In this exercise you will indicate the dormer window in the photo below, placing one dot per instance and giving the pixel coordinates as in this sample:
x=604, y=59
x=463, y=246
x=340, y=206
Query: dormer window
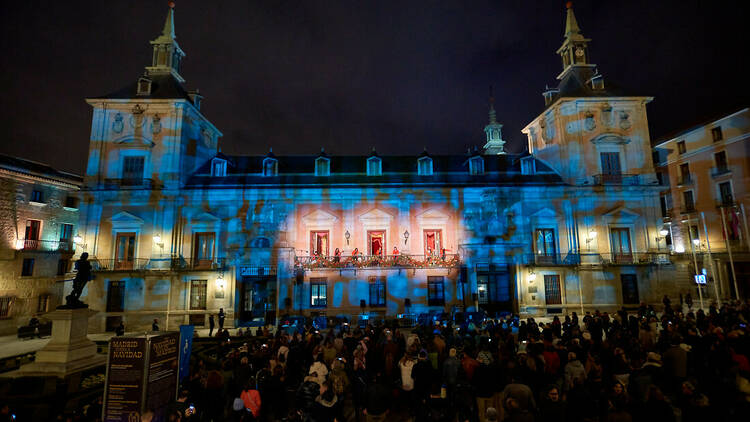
x=322, y=166
x=597, y=82
x=218, y=167
x=424, y=166
x=270, y=167
x=374, y=166
x=528, y=165
x=37, y=196
x=476, y=165
x=144, y=86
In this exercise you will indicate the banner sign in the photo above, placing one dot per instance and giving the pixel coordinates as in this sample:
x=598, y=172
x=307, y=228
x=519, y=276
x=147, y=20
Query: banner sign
x=123, y=391
x=161, y=386
x=700, y=279
x=186, y=344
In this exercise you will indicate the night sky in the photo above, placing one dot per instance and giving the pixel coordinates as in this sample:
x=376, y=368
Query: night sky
x=348, y=75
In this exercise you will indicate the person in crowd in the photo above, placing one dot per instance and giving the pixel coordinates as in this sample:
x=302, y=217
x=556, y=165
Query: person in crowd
x=155, y=325
x=221, y=316
x=211, y=325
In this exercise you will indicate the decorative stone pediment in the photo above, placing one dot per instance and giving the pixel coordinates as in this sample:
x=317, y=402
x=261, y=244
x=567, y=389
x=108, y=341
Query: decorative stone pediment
x=545, y=212
x=609, y=139
x=137, y=141
x=375, y=216
x=432, y=218
x=621, y=214
x=205, y=218
x=126, y=220
x=319, y=218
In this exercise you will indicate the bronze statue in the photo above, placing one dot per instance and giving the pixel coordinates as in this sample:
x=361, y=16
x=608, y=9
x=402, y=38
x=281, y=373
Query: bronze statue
x=79, y=282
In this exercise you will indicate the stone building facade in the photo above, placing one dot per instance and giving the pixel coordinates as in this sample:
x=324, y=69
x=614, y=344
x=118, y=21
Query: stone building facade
x=704, y=202
x=178, y=230
x=39, y=221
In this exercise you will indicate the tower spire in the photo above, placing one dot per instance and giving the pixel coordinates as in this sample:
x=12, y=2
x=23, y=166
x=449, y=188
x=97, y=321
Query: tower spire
x=167, y=55
x=493, y=131
x=574, y=50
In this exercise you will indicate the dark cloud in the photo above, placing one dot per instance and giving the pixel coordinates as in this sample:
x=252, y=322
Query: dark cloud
x=348, y=75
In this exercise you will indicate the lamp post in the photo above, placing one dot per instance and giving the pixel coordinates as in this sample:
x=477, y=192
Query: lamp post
x=406, y=236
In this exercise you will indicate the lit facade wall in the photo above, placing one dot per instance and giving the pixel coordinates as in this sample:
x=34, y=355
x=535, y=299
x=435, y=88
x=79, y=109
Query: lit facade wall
x=706, y=172
x=39, y=218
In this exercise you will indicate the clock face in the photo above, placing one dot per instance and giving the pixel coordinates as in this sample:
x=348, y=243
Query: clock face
x=579, y=52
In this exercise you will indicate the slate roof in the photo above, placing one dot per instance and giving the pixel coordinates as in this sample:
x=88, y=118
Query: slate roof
x=162, y=87
x=33, y=168
x=299, y=171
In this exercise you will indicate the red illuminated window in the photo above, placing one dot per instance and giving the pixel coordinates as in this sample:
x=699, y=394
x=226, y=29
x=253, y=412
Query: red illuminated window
x=376, y=242
x=319, y=243
x=433, y=242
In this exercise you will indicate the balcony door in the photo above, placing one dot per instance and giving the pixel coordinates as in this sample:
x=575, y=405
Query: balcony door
x=125, y=252
x=433, y=241
x=621, y=247
x=611, y=170
x=544, y=243
x=376, y=242
x=33, y=230
x=319, y=242
x=204, y=249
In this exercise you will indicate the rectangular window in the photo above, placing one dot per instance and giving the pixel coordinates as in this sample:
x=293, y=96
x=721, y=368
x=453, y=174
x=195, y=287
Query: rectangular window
x=716, y=134
x=433, y=242
x=721, y=162
x=219, y=168
x=377, y=291
x=435, y=291
x=318, y=292
x=71, y=202
x=66, y=237
x=62, y=266
x=552, y=293
x=685, y=173
x=116, y=296
x=319, y=243
x=621, y=248
x=376, y=242
x=27, y=270
x=695, y=235
x=374, y=167
x=36, y=196
x=6, y=306
x=204, y=249
x=125, y=252
x=198, y=294
x=544, y=244
x=681, y=148
x=610, y=163
x=664, y=207
x=425, y=166
x=629, y=288
x=42, y=304
x=687, y=200
x=132, y=170
x=476, y=165
x=725, y=194
x=322, y=167
x=33, y=231
x=482, y=290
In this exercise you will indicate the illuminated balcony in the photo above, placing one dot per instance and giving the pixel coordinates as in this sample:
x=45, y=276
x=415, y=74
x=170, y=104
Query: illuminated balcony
x=45, y=245
x=157, y=264
x=617, y=179
x=635, y=258
x=377, y=261
x=552, y=259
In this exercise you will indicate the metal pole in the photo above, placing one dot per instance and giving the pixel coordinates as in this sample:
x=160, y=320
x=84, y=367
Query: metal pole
x=695, y=265
x=729, y=251
x=710, y=259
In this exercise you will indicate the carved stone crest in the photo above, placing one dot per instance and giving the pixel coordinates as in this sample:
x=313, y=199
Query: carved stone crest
x=156, y=124
x=589, y=123
x=136, y=120
x=624, y=120
x=118, y=125
x=607, y=116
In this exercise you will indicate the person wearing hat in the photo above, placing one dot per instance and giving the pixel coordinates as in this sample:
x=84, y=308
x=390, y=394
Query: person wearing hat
x=574, y=370
x=651, y=373
x=490, y=415
x=423, y=374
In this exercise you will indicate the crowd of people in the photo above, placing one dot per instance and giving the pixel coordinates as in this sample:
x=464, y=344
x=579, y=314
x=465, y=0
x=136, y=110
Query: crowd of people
x=674, y=366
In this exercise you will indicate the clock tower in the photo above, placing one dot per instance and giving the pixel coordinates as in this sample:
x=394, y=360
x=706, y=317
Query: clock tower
x=574, y=50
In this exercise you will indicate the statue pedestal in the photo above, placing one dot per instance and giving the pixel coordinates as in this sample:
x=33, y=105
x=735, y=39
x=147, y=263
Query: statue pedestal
x=69, y=350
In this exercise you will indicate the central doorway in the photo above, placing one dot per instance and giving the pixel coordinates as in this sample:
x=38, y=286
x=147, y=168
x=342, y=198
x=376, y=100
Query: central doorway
x=376, y=242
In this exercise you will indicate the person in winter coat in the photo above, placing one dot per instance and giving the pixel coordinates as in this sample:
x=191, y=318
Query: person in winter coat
x=552, y=406
x=306, y=395
x=450, y=369
x=378, y=400
x=319, y=367
x=573, y=370
x=423, y=375
x=251, y=399
x=406, y=368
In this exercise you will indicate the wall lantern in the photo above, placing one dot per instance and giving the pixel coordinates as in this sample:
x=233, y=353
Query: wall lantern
x=157, y=240
x=347, y=235
x=696, y=242
x=532, y=276
x=592, y=234
x=664, y=231
x=77, y=239
x=220, y=282
x=406, y=236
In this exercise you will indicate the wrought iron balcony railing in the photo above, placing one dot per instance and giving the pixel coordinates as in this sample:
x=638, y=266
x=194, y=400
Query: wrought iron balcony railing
x=725, y=202
x=377, y=261
x=46, y=245
x=636, y=258
x=617, y=179
x=552, y=259
x=685, y=180
x=157, y=264
x=129, y=183
x=720, y=171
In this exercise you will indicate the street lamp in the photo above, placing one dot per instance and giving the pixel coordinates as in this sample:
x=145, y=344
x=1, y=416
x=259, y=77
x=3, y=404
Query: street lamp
x=347, y=235
x=664, y=231
x=532, y=275
x=406, y=236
